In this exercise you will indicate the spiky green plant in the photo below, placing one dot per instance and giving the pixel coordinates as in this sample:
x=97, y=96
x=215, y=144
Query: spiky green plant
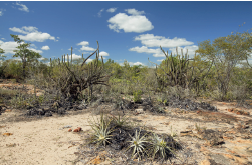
x=159, y=146
x=138, y=144
x=101, y=133
x=120, y=121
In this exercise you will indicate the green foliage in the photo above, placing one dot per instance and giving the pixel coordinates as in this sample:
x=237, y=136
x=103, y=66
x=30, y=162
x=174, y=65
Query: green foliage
x=137, y=96
x=13, y=69
x=226, y=53
x=2, y=56
x=24, y=53
x=159, y=146
x=101, y=133
x=138, y=145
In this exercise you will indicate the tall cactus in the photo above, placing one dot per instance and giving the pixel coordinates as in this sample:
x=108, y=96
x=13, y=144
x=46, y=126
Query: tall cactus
x=86, y=76
x=177, y=69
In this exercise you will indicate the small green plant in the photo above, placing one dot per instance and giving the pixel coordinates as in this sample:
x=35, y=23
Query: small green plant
x=137, y=96
x=101, y=133
x=173, y=134
x=159, y=146
x=120, y=121
x=19, y=102
x=199, y=129
x=138, y=144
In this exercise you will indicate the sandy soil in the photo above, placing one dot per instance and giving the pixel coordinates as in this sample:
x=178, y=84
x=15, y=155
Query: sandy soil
x=45, y=141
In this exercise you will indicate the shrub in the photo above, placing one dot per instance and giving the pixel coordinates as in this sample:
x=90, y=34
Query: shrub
x=137, y=96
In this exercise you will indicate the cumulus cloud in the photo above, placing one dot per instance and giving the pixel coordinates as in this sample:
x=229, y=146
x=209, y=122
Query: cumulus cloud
x=149, y=40
x=3, y=38
x=133, y=63
x=134, y=23
x=9, y=47
x=45, y=48
x=111, y=10
x=32, y=34
x=35, y=50
x=99, y=13
x=23, y=7
x=160, y=60
x=83, y=43
x=85, y=47
x=134, y=12
x=156, y=52
x=156, y=41
x=103, y=53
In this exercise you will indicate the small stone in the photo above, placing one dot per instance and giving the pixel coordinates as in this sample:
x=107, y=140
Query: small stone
x=69, y=130
x=245, y=126
x=76, y=130
x=139, y=111
x=48, y=114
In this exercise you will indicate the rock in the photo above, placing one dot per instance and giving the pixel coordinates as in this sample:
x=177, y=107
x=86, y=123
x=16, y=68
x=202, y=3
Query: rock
x=98, y=159
x=7, y=134
x=245, y=126
x=186, y=133
x=69, y=130
x=61, y=110
x=139, y=111
x=77, y=130
x=220, y=159
x=48, y=114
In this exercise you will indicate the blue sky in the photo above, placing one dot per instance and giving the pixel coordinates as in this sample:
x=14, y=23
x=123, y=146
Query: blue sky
x=125, y=30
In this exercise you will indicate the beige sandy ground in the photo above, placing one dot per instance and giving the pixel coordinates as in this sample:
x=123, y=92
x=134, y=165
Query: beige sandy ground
x=43, y=142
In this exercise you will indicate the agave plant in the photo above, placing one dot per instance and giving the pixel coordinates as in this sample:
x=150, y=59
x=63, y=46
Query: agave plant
x=159, y=145
x=101, y=132
x=121, y=121
x=138, y=144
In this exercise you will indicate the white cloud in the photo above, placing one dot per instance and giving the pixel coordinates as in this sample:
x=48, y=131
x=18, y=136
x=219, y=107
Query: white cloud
x=23, y=7
x=132, y=23
x=32, y=34
x=160, y=60
x=3, y=38
x=156, y=52
x=1, y=11
x=8, y=47
x=37, y=51
x=85, y=47
x=134, y=12
x=83, y=43
x=103, y=53
x=58, y=37
x=156, y=41
x=132, y=63
x=111, y=10
x=136, y=63
x=99, y=13
x=74, y=56
x=45, y=48
x=191, y=50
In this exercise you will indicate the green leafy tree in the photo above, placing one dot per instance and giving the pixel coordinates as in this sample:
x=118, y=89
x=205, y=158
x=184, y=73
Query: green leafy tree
x=226, y=53
x=2, y=56
x=24, y=53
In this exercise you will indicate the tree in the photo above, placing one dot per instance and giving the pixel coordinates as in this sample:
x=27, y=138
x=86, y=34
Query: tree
x=24, y=53
x=226, y=53
x=2, y=56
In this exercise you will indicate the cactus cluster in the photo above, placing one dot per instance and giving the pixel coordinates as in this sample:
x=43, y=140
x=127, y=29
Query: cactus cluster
x=80, y=77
